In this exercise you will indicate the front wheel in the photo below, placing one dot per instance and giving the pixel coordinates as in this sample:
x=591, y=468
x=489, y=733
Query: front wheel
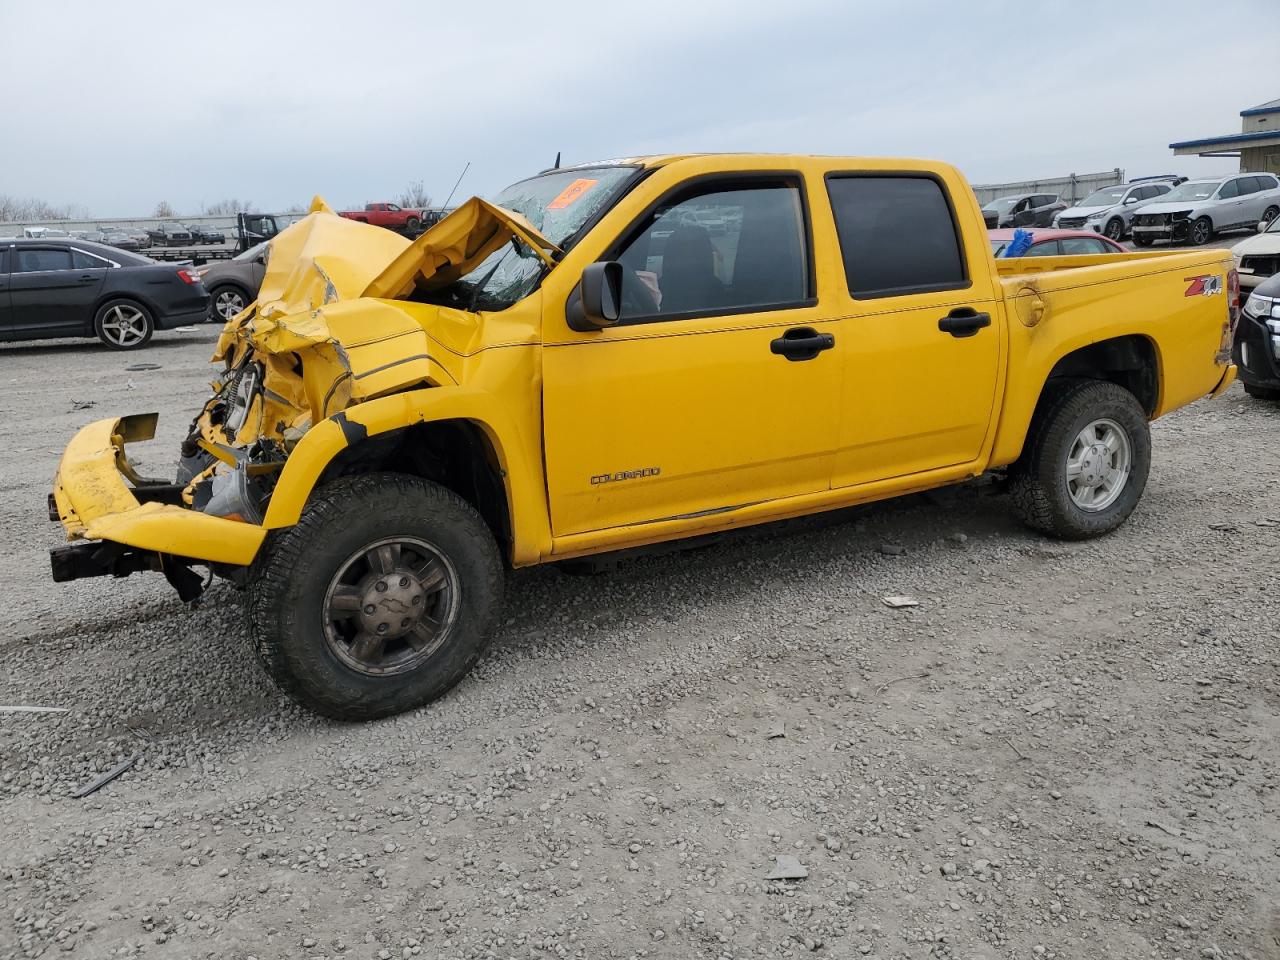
x=378, y=600
x=1114, y=229
x=1142, y=240
x=1085, y=462
x=1201, y=232
x=123, y=324
x=412, y=224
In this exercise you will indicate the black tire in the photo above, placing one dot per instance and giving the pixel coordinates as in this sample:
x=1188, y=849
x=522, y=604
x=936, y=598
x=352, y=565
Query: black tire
x=109, y=324
x=1270, y=213
x=412, y=224
x=1039, y=482
x=1142, y=240
x=299, y=566
x=1114, y=230
x=1261, y=393
x=219, y=293
x=1201, y=232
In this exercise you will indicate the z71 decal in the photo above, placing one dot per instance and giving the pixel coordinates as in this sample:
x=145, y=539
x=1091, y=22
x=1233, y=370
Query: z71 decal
x=1209, y=286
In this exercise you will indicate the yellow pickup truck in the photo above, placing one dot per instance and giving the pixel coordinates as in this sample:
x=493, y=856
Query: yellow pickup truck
x=619, y=354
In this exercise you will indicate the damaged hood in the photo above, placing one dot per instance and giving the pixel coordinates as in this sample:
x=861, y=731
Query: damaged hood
x=322, y=333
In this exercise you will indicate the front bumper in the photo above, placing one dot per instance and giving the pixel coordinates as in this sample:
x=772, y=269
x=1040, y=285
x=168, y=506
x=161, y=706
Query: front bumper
x=94, y=502
x=1254, y=352
x=1177, y=230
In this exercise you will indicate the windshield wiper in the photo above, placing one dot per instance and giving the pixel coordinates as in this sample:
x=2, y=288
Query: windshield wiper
x=484, y=282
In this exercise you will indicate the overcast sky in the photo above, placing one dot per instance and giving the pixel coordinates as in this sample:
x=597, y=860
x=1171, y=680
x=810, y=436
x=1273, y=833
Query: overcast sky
x=115, y=106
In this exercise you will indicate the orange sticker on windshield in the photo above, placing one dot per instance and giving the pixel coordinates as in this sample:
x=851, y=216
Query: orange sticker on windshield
x=571, y=193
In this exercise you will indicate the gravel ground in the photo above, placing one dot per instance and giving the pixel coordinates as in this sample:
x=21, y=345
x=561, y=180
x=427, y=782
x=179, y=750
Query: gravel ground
x=1067, y=750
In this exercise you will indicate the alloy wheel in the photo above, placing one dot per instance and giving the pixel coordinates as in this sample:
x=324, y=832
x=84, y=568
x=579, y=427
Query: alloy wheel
x=1098, y=465
x=391, y=606
x=125, y=325
x=228, y=303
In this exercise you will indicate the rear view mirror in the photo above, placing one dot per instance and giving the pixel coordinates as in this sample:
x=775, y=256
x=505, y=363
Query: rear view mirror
x=1130, y=199
x=597, y=302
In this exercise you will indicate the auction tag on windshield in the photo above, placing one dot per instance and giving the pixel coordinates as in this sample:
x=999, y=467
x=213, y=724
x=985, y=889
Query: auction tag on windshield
x=571, y=193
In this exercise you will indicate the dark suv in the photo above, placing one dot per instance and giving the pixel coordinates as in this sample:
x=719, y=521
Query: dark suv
x=1257, y=346
x=1022, y=210
x=169, y=235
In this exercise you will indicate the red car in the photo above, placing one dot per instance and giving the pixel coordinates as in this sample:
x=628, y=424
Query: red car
x=1048, y=242
x=386, y=215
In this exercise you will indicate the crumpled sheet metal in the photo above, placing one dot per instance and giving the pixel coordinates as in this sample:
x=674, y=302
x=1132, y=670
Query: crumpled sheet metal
x=454, y=247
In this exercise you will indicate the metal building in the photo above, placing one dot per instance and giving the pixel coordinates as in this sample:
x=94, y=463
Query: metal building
x=1257, y=144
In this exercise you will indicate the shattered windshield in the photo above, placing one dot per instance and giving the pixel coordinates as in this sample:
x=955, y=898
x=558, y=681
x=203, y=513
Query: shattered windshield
x=558, y=204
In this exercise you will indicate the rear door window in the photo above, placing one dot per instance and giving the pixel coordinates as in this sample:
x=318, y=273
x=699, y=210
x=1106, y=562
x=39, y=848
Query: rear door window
x=897, y=235
x=36, y=259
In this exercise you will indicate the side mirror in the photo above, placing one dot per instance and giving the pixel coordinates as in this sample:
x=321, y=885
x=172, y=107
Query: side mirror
x=1262, y=225
x=596, y=303
x=1130, y=200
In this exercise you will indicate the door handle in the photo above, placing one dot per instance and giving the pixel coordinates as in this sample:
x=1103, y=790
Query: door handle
x=801, y=343
x=964, y=322
x=86, y=277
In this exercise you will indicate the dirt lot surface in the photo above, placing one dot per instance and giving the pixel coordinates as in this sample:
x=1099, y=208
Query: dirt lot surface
x=1066, y=750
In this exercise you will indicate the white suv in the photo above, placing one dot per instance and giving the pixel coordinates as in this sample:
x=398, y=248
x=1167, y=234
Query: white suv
x=1196, y=210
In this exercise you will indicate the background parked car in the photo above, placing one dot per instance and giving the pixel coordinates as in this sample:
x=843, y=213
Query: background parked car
x=1053, y=242
x=115, y=237
x=170, y=235
x=1198, y=209
x=203, y=234
x=1257, y=343
x=74, y=288
x=1023, y=210
x=1110, y=210
x=1258, y=257
x=233, y=284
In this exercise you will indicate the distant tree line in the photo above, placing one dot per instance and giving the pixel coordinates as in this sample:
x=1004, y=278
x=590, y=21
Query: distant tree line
x=19, y=209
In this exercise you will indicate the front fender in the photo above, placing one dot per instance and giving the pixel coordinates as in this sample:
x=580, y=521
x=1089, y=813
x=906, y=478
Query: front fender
x=521, y=473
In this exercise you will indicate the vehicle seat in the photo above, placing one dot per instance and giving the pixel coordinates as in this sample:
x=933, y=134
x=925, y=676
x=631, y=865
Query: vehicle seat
x=769, y=264
x=689, y=280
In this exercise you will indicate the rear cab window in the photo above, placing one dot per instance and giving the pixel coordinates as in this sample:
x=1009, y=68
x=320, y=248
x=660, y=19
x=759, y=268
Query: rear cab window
x=898, y=234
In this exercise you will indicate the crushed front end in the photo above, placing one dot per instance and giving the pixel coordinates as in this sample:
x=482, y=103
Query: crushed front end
x=326, y=333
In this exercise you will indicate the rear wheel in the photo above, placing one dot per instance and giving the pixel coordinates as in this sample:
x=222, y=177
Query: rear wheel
x=1085, y=462
x=1270, y=214
x=123, y=324
x=1261, y=393
x=378, y=600
x=1114, y=229
x=1201, y=232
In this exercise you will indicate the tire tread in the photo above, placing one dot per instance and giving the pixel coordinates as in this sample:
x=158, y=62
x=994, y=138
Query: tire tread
x=272, y=588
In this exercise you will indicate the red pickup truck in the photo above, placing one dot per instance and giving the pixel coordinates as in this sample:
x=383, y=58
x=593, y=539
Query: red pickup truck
x=389, y=215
